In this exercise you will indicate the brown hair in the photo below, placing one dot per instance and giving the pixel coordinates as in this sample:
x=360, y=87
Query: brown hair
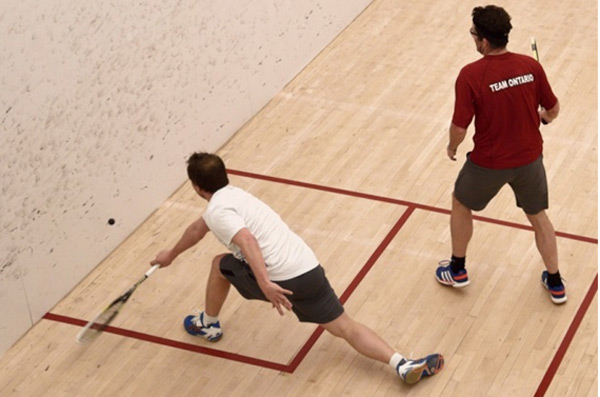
x=492, y=23
x=207, y=171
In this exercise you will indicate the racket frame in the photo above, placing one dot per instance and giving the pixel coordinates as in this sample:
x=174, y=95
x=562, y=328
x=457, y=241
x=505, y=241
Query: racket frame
x=536, y=56
x=94, y=327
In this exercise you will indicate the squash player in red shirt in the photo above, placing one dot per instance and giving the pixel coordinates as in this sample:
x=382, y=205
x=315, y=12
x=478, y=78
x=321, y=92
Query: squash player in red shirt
x=508, y=95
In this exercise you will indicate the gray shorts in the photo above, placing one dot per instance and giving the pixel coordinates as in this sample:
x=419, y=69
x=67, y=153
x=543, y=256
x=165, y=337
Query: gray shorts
x=475, y=186
x=313, y=301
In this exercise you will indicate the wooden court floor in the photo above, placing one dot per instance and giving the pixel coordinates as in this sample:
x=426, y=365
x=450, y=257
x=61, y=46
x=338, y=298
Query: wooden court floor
x=351, y=154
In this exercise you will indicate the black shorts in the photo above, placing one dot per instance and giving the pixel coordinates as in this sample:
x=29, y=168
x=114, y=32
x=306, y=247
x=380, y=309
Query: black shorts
x=313, y=301
x=475, y=186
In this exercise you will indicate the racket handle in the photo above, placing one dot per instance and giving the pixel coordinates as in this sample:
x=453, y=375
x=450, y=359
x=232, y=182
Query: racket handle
x=537, y=58
x=534, y=50
x=152, y=270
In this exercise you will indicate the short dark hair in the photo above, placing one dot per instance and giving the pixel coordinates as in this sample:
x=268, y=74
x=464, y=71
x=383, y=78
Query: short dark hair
x=207, y=171
x=492, y=23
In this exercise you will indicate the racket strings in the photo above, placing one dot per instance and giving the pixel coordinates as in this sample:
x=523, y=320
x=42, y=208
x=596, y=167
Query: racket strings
x=100, y=323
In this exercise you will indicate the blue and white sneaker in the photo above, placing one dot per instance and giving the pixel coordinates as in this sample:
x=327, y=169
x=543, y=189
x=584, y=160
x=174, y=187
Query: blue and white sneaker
x=446, y=276
x=411, y=371
x=194, y=325
x=557, y=294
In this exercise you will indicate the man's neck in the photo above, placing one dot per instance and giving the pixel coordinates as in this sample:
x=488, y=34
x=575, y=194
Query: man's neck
x=496, y=51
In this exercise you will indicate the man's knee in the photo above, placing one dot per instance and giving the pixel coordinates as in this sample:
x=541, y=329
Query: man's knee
x=340, y=327
x=216, y=265
x=537, y=217
x=540, y=221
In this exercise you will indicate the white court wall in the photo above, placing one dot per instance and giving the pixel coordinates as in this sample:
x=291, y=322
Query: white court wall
x=101, y=102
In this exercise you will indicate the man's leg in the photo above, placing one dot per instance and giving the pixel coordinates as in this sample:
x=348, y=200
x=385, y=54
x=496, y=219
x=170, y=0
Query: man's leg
x=206, y=324
x=461, y=228
x=545, y=239
x=453, y=273
x=217, y=288
x=360, y=337
x=369, y=344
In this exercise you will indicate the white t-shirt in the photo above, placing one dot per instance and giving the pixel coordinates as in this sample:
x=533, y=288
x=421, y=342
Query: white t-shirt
x=286, y=255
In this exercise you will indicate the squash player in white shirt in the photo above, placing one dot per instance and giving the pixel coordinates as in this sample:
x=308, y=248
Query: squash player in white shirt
x=270, y=262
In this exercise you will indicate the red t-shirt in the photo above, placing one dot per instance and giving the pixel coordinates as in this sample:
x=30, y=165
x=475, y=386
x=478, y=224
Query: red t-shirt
x=503, y=92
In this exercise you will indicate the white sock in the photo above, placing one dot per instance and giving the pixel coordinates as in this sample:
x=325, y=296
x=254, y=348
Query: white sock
x=395, y=360
x=209, y=319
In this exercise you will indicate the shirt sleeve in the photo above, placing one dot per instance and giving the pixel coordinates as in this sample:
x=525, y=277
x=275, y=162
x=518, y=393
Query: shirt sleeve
x=224, y=223
x=464, y=103
x=547, y=98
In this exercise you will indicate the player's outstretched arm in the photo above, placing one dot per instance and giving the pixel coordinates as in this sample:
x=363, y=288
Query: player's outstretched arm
x=191, y=236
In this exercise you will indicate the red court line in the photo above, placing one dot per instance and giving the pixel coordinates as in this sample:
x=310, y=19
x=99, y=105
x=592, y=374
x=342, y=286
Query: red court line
x=551, y=371
x=354, y=284
x=528, y=227
x=297, y=359
x=399, y=202
x=326, y=188
x=303, y=352
x=375, y=256
x=564, y=346
x=174, y=343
